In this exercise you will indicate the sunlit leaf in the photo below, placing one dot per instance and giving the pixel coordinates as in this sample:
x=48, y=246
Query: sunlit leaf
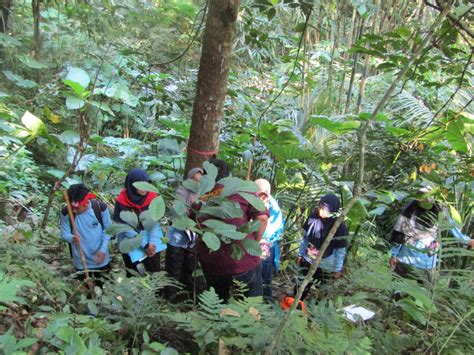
x=157, y=208
x=79, y=76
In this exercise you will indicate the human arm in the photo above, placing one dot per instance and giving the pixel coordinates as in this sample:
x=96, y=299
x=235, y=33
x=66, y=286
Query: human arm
x=105, y=237
x=339, y=257
x=154, y=239
x=459, y=235
x=394, y=251
x=66, y=233
x=263, y=219
x=104, y=247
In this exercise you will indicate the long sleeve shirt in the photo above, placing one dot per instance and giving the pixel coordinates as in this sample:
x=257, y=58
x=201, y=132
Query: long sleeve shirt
x=93, y=237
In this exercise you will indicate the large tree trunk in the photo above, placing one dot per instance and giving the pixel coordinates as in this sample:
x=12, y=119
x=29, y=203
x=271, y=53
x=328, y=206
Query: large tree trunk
x=35, y=4
x=211, y=85
x=5, y=6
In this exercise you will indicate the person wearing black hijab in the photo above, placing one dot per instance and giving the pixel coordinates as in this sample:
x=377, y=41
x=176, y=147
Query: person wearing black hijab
x=138, y=201
x=316, y=230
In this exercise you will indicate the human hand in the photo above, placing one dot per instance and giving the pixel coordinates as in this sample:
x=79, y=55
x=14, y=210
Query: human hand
x=151, y=249
x=470, y=243
x=77, y=238
x=393, y=262
x=298, y=260
x=336, y=275
x=99, y=257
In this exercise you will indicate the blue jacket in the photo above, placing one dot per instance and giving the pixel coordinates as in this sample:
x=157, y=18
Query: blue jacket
x=93, y=237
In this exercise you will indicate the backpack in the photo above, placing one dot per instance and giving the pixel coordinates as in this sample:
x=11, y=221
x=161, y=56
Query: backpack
x=97, y=206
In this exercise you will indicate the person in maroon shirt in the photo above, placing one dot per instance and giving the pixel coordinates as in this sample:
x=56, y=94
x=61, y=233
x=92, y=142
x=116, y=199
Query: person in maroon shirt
x=220, y=269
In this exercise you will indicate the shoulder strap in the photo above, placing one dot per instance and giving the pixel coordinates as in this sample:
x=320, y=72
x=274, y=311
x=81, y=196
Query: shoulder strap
x=98, y=206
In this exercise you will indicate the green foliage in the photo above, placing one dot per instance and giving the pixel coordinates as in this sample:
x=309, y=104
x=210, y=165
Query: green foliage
x=10, y=288
x=104, y=61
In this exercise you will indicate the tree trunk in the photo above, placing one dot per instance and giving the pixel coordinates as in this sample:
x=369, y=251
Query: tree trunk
x=5, y=6
x=211, y=88
x=345, y=58
x=365, y=72
x=354, y=68
x=36, y=19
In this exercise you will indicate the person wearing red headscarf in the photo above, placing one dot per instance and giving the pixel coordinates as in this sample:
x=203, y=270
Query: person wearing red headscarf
x=147, y=255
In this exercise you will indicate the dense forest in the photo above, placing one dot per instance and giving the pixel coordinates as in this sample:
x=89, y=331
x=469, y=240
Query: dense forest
x=369, y=100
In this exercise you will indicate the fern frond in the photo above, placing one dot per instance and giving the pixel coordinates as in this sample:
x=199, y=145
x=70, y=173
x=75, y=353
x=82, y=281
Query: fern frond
x=10, y=287
x=413, y=110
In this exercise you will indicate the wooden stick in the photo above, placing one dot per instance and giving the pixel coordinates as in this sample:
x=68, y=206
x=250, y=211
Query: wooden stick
x=74, y=231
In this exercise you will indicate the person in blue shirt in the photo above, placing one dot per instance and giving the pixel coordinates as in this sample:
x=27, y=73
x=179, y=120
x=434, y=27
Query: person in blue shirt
x=316, y=230
x=92, y=218
x=147, y=255
x=415, y=239
x=272, y=234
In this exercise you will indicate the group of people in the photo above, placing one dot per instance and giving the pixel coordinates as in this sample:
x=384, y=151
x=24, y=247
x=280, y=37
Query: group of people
x=414, y=237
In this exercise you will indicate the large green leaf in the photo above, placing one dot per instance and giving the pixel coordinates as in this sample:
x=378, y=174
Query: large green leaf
x=226, y=209
x=456, y=138
x=250, y=227
x=74, y=103
x=335, y=127
x=210, y=170
x=128, y=245
x=191, y=185
x=206, y=184
x=76, y=87
x=236, y=252
x=252, y=247
x=130, y=218
x=30, y=62
x=157, y=208
x=79, y=76
x=233, y=185
x=145, y=186
x=225, y=229
x=119, y=91
x=34, y=124
x=212, y=241
x=179, y=206
x=255, y=201
x=69, y=137
x=19, y=80
x=147, y=222
x=184, y=223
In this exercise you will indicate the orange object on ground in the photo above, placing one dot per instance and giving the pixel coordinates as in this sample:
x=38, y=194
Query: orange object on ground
x=287, y=301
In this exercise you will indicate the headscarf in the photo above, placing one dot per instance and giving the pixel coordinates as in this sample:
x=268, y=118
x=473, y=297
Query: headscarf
x=129, y=198
x=317, y=228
